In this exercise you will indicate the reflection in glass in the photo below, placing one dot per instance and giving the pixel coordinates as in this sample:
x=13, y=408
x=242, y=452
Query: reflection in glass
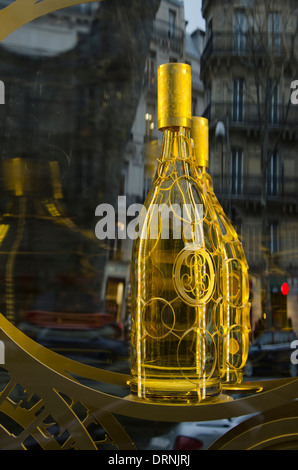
x=71, y=95
x=46, y=260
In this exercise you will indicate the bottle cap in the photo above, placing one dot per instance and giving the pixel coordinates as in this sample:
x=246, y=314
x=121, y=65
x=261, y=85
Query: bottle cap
x=200, y=136
x=174, y=95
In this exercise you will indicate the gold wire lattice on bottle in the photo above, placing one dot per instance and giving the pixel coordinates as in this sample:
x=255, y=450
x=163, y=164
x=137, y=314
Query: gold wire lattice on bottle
x=174, y=352
x=175, y=327
x=233, y=301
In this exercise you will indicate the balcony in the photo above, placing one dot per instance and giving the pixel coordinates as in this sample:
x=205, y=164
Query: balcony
x=282, y=190
x=250, y=44
x=253, y=116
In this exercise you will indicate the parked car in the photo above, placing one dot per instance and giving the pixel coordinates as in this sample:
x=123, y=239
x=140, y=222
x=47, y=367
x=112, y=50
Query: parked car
x=271, y=353
x=193, y=436
x=94, y=347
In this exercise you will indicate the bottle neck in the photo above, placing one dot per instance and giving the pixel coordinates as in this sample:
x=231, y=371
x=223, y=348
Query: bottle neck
x=202, y=169
x=176, y=143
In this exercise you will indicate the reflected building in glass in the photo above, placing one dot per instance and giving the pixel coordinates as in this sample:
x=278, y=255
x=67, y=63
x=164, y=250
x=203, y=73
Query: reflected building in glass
x=41, y=232
x=71, y=92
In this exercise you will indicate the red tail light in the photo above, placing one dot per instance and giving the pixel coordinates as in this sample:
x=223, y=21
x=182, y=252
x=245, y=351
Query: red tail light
x=187, y=443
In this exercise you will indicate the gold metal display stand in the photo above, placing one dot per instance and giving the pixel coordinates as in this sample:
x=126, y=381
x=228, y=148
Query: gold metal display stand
x=45, y=392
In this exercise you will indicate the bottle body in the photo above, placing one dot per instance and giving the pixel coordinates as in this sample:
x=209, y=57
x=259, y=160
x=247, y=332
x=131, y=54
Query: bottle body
x=233, y=305
x=234, y=343
x=174, y=329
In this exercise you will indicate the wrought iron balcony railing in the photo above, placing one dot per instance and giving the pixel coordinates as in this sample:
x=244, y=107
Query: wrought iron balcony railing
x=254, y=115
x=249, y=188
x=249, y=44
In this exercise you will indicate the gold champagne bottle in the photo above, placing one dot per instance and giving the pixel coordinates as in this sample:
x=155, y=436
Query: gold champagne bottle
x=234, y=284
x=174, y=350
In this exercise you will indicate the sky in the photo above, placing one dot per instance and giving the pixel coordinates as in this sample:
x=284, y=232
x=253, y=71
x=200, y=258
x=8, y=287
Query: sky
x=193, y=15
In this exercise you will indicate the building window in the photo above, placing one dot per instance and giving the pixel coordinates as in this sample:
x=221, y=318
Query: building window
x=150, y=72
x=123, y=177
x=273, y=174
x=209, y=32
x=237, y=171
x=149, y=127
x=239, y=31
x=252, y=243
x=273, y=237
x=290, y=234
x=207, y=112
x=238, y=99
x=209, y=95
x=273, y=89
x=274, y=31
x=194, y=106
x=172, y=23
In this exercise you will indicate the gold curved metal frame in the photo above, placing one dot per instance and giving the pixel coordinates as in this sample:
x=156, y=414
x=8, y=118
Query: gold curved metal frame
x=21, y=12
x=275, y=429
x=71, y=394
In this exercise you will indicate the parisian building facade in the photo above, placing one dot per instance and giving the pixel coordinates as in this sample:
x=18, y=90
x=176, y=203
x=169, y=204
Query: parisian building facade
x=248, y=64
